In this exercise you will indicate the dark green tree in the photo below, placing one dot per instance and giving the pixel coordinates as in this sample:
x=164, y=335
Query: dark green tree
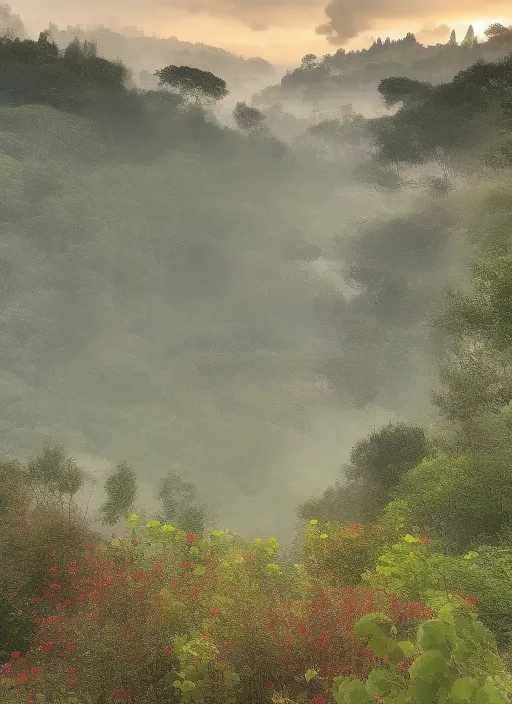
x=192, y=83
x=385, y=455
x=246, y=117
x=121, y=490
x=406, y=90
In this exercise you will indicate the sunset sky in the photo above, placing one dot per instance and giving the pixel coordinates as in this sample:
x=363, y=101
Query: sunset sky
x=279, y=30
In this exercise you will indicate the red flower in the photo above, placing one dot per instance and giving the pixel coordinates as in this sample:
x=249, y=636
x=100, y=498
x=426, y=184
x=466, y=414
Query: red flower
x=15, y=655
x=270, y=685
x=48, y=646
x=318, y=700
x=33, y=671
x=53, y=569
x=191, y=537
x=424, y=540
x=214, y=611
x=471, y=601
x=38, y=599
x=206, y=635
x=168, y=649
x=22, y=676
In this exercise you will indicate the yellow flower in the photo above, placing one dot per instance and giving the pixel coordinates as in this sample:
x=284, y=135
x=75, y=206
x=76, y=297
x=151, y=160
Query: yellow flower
x=324, y=536
x=313, y=522
x=239, y=559
x=153, y=524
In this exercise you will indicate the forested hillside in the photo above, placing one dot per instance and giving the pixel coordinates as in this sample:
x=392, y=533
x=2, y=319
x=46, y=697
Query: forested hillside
x=231, y=323
x=354, y=75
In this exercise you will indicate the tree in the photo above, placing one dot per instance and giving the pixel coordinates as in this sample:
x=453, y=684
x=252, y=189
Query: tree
x=179, y=503
x=309, y=61
x=54, y=476
x=193, y=83
x=246, y=117
x=406, y=90
x=469, y=39
x=465, y=500
x=11, y=24
x=385, y=455
x=121, y=490
x=496, y=30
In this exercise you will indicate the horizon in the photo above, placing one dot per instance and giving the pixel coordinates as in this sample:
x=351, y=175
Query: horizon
x=283, y=46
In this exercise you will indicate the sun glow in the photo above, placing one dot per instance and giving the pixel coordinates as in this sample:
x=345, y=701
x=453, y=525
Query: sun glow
x=481, y=24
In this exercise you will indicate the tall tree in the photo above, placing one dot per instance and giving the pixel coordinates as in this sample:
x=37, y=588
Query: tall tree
x=121, y=490
x=179, y=503
x=469, y=39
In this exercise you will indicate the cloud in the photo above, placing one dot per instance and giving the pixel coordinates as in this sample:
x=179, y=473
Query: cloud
x=348, y=18
x=345, y=19
x=434, y=35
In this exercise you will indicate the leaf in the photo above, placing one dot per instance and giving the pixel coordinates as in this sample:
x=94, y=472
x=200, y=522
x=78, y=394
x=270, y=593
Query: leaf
x=369, y=625
x=411, y=539
x=407, y=647
x=199, y=571
x=381, y=683
x=310, y=675
x=463, y=690
x=382, y=646
x=489, y=694
x=187, y=686
x=432, y=634
x=352, y=692
x=429, y=664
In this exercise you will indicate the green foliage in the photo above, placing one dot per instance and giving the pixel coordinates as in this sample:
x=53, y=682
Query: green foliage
x=403, y=90
x=464, y=500
x=455, y=661
x=55, y=473
x=179, y=503
x=193, y=83
x=247, y=117
x=419, y=570
x=121, y=490
x=386, y=455
x=342, y=552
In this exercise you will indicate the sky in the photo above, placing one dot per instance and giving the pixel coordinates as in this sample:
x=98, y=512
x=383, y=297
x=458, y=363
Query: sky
x=281, y=31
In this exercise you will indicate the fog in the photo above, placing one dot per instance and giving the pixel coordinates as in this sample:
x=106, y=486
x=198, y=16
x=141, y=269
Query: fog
x=240, y=305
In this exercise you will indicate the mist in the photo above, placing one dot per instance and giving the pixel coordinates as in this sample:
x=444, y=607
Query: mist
x=239, y=304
